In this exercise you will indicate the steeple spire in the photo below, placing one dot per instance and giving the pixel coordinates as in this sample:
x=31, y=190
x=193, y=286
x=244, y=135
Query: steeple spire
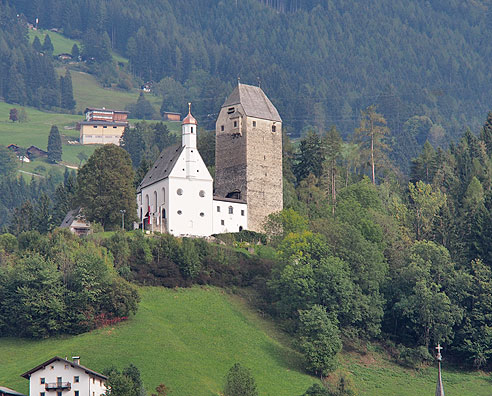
x=439, y=387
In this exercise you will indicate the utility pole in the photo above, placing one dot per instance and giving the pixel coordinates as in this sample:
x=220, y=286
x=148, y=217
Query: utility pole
x=122, y=211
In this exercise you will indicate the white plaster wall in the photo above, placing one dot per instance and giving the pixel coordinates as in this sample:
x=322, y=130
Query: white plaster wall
x=162, y=189
x=87, y=386
x=196, y=211
x=232, y=222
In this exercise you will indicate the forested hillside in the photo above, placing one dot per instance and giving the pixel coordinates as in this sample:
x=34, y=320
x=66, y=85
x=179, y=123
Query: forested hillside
x=321, y=62
x=27, y=75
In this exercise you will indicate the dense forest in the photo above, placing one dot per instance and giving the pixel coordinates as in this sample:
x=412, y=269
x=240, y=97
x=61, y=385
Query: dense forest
x=321, y=62
x=27, y=74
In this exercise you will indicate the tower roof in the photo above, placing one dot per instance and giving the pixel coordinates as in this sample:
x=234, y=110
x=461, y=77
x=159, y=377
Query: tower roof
x=254, y=101
x=189, y=119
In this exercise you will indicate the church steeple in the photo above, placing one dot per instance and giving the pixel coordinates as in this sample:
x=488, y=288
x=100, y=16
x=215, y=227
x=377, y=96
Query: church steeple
x=439, y=387
x=188, y=130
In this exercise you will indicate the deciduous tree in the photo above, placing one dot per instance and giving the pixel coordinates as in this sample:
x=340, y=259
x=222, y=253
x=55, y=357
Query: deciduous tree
x=240, y=382
x=105, y=186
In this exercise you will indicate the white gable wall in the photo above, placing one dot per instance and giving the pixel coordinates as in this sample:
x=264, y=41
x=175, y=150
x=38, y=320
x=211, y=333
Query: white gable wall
x=88, y=385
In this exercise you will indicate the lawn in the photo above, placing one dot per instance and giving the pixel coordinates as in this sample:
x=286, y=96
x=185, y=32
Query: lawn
x=89, y=93
x=37, y=128
x=189, y=338
x=63, y=45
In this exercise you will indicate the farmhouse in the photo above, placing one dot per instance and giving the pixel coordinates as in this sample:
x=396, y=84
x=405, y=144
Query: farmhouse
x=177, y=194
x=61, y=377
x=76, y=222
x=102, y=126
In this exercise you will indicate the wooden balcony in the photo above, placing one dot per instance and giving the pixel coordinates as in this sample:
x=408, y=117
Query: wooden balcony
x=58, y=386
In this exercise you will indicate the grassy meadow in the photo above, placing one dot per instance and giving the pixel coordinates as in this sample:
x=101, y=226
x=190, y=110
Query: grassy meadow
x=89, y=93
x=189, y=338
x=63, y=45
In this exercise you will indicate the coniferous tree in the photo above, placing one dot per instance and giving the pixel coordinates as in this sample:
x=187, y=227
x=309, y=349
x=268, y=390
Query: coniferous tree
x=67, y=100
x=54, y=145
x=75, y=52
x=36, y=44
x=48, y=46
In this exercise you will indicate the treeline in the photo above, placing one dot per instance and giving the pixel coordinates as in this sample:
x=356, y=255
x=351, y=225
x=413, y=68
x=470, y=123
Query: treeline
x=409, y=263
x=320, y=62
x=59, y=284
x=27, y=76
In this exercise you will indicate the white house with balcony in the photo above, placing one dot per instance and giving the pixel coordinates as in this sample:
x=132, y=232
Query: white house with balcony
x=62, y=377
x=176, y=194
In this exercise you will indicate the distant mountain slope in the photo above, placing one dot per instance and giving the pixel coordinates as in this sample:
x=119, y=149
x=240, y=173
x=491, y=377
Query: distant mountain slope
x=321, y=62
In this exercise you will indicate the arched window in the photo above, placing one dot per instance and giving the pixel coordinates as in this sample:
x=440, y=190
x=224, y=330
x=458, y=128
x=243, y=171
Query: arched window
x=155, y=201
x=147, y=202
x=163, y=195
x=163, y=213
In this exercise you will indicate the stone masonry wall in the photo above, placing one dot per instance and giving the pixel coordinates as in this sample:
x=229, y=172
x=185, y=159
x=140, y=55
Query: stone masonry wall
x=264, y=171
x=249, y=159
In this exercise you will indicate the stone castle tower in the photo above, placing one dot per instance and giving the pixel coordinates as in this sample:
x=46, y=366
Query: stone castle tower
x=248, y=153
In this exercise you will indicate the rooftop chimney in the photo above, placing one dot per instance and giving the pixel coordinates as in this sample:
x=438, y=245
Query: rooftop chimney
x=76, y=359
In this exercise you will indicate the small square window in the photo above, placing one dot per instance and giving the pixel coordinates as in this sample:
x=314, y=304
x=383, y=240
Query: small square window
x=114, y=127
x=242, y=212
x=41, y=393
x=222, y=222
x=231, y=210
x=104, y=126
x=218, y=208
x=235, y=124
x=42, y=380
x=254, y=124
x=59, y=393
x=274, y=128
x=66, y=367
x=95, y=126
x=222, y=128
x=76, y=379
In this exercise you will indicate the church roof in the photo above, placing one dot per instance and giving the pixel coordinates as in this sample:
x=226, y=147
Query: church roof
x=163, y=166
x=254, y=101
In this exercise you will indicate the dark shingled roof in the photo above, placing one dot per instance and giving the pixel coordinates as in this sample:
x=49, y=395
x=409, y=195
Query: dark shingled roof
x=27, y=374
x=254, y=101
x=7, y=391
x=163, y=166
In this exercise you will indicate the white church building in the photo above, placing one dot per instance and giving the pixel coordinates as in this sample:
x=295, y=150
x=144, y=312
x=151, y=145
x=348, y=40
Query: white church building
x=176, y=195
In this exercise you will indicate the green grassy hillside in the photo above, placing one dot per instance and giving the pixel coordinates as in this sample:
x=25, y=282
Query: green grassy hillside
x=89, y=93
x=189, y=338
x=62, y=44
